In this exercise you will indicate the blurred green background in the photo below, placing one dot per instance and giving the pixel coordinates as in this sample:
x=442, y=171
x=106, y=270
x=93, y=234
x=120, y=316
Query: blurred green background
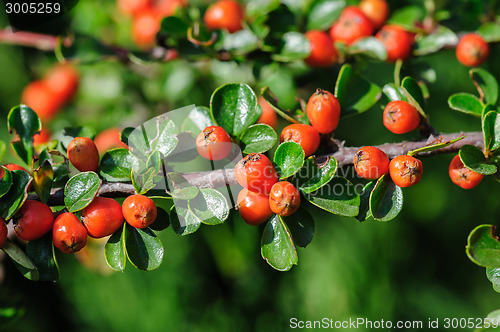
x=412, y=268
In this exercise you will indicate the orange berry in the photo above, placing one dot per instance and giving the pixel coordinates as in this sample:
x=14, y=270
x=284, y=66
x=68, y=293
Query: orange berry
x=214, y=143
x=268, y=116
x=371, y=163
x=225, y=15
x=397, y=42
x=33, y=220
x=472, y=50
x=323, y=52
x=145, y=26
x=462, y=176
x=284, y=198
x=102, y=217
x=405, y=171
x=256, y=173
x=62, y=80
x=253, y=207
x=109, y=139
x=400, y=117
x=83, y=154
x=139, y=211
x=351, y=26
x=323, y=111
x=38, y=96
x=305, y=135
x=377, y=11
x=68, y=234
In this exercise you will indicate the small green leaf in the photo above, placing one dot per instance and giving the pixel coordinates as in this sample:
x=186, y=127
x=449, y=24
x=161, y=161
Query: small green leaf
x=364, y=204
x=301, y=227
x=240, y=42
x=486, y=84
x=493, y=275
x=143, y=182
x=258, y=138
x=59, y=165
x=156, y=135
x=5, y=182
x=41, y=252
x=26, y=123
x=144, y=248
x=407, y=16
x=117, y=164
x=289, y=158
x=197, y=119
x=466, y=103
x=234, y=107
x=338, y=197
x=271, y=100
x=81, y=190
x=393, y=92
x=180, y=188
x=311, y=177
x=277, y=246
x=386, y=199
x=323, y=13
x=125, y=133
x=174, y=27
x=22, y=262
x=370, y=47
x=210, y=206
x=17, y=194
x=441, y=37
x=295, y=46
x=483, y=248
x=491, y=130
x=411, y=86
x=70, y=133
x=3, y=148
x=490, y=31
x=355, y=93
x=473, y=158
x=183, y=220
x=436, y=146
x=114, y=251
x=43, y=179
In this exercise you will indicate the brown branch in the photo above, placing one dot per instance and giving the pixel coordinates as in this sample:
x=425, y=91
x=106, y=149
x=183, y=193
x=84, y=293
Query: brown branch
x=30, y=39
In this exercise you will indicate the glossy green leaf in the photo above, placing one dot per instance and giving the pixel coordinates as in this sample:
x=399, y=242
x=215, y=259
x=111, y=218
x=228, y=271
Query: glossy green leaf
x=26, y=123
x=295, y=46
x=258, y=8
x=289, y=158
x=483, y=247
x=301, y=227
x=466, y=103
x=490, y=31
x=117, y=164
x=5, y=182
x=17, y=194
x=43, y=179
x=3, y=148
x=234, y=107
x=355, y=93
x=22, y=262
x=144, y=248
x=180, y=188
x=272, y=101
x=143, y=182
x=210, y=206
x=486, y=84
x=370, y=47
x=323, y=13
x=473, y=158
x=338, y=197
x=491, y=130
x=411, y=86
x=183, y=220
x=493, y=275
x=125, y=133
x=156, y=135
x=441, y=37
x=41, y=252
x=364, y=203
x=434, y=147
x=198, y=119
x=81, y=190
x=59, y=163
x=162, y=220
x=240, y=42
x=277, y=246
x=114, y=250
x=393, y=92
x=311, y=177
x=258, y=138
x=386, y=199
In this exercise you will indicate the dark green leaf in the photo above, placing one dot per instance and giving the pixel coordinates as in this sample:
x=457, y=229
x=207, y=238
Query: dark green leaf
x=5, y=182
x=323, y=13
x=311, y=177
x=117, y=164
x=210, y=207
x=144, y=248
x=441, y=37
x=486, y=84
x=43, y=179
x=162, y=220
x=156, y=135
x=3, y=148
x=258, y=138
x=364, y=204
x=234, y=107
x=26, y=123
x=491, y=130
x=174, y=27
x=386, y=199
x=143, y=182
x=435, y=146
x=180, y=188
x=114, y=251
x=490, y=31
x=466, y=103
x=295, y=46
x=493, y=275
x=473, y=158
x=41, y=253
x=22, y=262
x=289, y=158
x=301, y=227
x=338, y=197
x=17, y=194
x=183, y=220
x=125, y=133
x=483, y=247
x=59, y=165
x=355, y=93
x=394, y=92
x=271, y=100
x=407, y=16
x=370, y=47
x=277, y=246
x=81, y=190
x=85, y=49
x=413, y=88
x=198, y=119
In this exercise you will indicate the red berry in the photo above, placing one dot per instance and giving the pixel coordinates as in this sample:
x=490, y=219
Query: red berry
x=83, y=154
x=109, y=139
x=132, y=7
x=225, y=14
x=253, y=207
x=11, y=167
x=305, y=135
x=397, y=42
x=323, y=111
x=62, y=80
x=405, y=171
x=400, y=117
x=169, y=7
x=68, y=234
x=139, y=211
x=377, y=11
x=42, y=137
x=145, y=26
x=351, y=25
x=33, y=220
x=284, y=198
x=38, y=96
x=256, y=173
x=323, y=52
x=371, y=163
x=462, y=176
x=102, y=217
x=268, y=116
x=214, y=143
x=472, y=50
x=3, y=232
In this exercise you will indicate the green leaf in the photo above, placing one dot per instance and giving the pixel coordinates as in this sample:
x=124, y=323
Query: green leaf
x=240, y=42
x=22, y=262
x=125, y=133
x=17, y=194
x=436, y=146
x=301, y=227
x=114, y=251
x=143, y=182
x=156, y=135
x=144, y=248
x=3, y=148
x=81, y=190
x=26, y=123
x=197, y=119
x=271, y=100
x=43, y=179
x=41, y=252
x=486, y=84
x=277, y=246
x=70, y=133
x=411, y=86
x=180, y=188
x=483, y=248
x=295, y=46
x=311, y=177
x=234, y=107
x=117, y=164
x=406, y=17
x=473, y=158
x=258, y=138
x=370, y=47
x=441, y=37
x=174, y=27
x=183, y=220
x=59, y=165
x=323, y=13
x=210, y=206
x=393, y=92
x=5, y=182
x=466, y=103
x=364, y=203
x=85, y=49
x=162, y=220
x=355, y=93
x=386, y=199
x=258, y=8
x=289, y=158
x=490, y=31
x=491, y=130
x=493, y=275
x=338, y=197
